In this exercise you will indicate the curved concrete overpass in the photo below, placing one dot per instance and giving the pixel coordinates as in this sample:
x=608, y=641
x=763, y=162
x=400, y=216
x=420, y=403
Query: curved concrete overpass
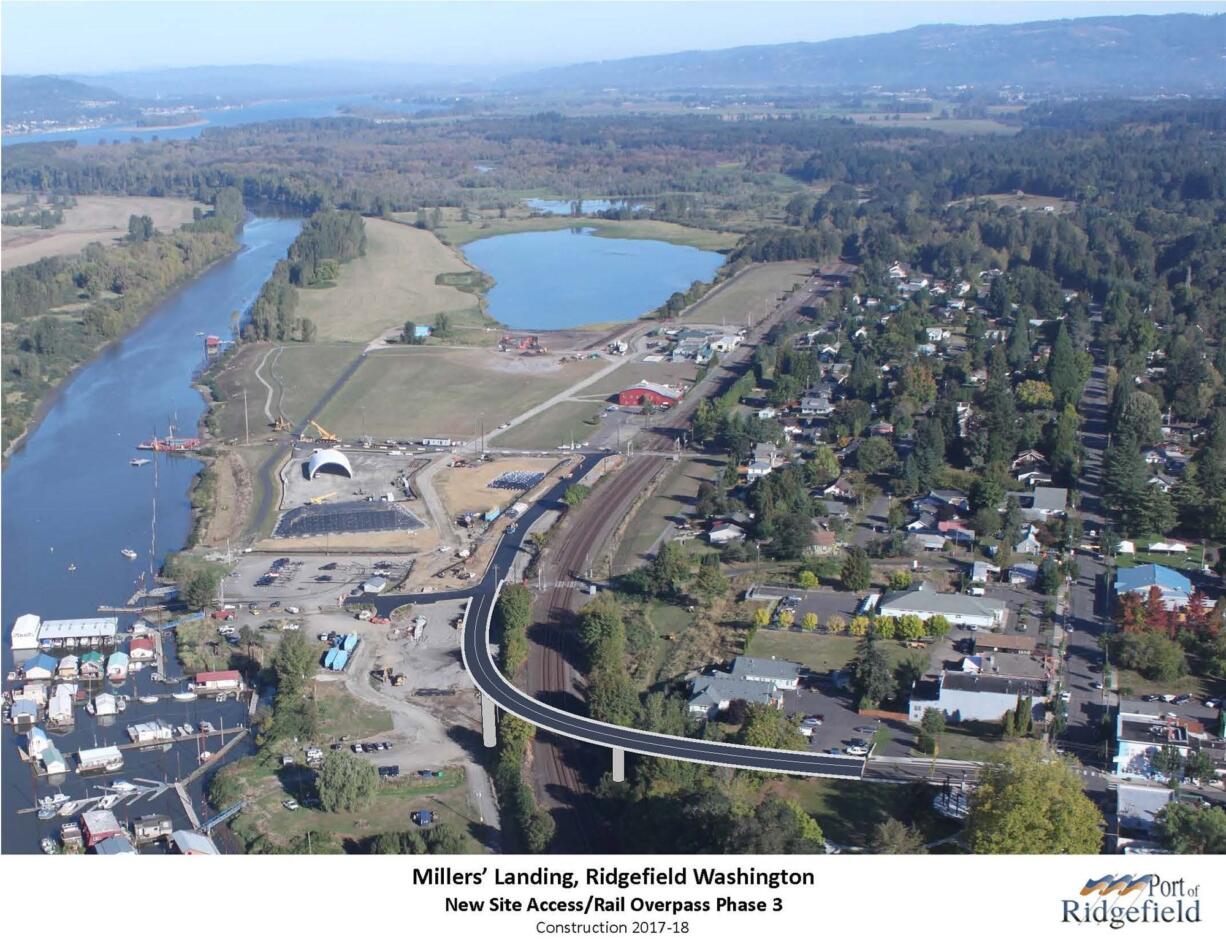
x=475, y=649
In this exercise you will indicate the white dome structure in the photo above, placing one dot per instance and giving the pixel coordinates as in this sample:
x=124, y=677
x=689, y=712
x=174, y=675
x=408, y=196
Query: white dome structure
x=328, y=460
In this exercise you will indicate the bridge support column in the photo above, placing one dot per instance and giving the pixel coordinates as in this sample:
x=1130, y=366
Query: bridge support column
x=619, y=765
x=489, y=722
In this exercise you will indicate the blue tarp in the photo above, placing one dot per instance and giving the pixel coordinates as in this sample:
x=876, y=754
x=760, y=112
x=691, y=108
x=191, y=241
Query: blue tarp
x=351, y=642
x=330, y=657
x=341, y=658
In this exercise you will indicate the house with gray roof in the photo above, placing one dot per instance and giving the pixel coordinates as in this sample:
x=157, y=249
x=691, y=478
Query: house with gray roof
x=963, y=695
x=976, y=611
x=753, y=680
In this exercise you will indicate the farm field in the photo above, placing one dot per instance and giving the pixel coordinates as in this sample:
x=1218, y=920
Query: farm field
x=554, y=426
x=394, y=282
x=414, y=392
x=728, y=304
x=94, y=219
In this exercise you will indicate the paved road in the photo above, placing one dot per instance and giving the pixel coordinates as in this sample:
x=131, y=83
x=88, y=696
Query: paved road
x=476, y=653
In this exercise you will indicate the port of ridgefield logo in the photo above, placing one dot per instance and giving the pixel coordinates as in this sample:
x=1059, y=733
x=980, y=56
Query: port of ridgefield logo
x=1119, y=900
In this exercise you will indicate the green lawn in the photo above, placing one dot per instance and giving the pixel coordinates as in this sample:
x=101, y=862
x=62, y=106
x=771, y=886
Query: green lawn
x=341, y=714
x=553, y=426
x=1131, y=683
x=818, y=652
x=970, y=741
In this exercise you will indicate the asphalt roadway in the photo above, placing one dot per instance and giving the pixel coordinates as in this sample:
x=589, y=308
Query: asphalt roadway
x=475, y=648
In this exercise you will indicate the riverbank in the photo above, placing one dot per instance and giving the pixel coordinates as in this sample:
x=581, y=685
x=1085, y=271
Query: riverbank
x=57, y=388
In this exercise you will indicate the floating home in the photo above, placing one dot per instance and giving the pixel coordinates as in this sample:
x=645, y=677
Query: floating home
x=53, y=761
x=59, y=707
x=93, y=665
x=98, y=825
x=141, y=649
x=41, y=667
x=150, y=731
x=70, y=667
x=103, y=759
x=219, y=682
x=29, y=631
x=117, y=667
x=70, y=837
x=150, y=828
x=23, y=711
x=193, y=843
x=115, y=845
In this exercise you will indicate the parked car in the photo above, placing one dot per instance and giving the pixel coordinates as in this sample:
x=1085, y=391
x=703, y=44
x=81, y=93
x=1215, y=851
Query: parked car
x=1152, y=698
x=291, y=804
x=1183, y=699
x=1212, y=703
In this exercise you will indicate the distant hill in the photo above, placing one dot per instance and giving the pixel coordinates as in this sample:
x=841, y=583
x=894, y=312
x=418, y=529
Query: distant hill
x=53, y=99
x=1131, y=54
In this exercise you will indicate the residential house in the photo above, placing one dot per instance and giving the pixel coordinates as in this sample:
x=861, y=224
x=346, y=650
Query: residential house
x=1024, y=574
x=841, y=489
x=825, y=543
x=1029, y=544
x=721, y=533
x=753, y=680
x=1042, y=502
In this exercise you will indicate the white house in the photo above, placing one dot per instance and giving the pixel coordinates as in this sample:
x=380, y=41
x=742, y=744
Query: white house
x=723, y=533
x=976, y=611
x=1029, y=544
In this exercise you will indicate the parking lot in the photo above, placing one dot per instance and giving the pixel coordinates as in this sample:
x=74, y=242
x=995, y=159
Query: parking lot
x=308, y=582
x=841, y=727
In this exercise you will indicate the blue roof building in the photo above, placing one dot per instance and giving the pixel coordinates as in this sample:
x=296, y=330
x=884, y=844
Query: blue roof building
x=40, y=667
x=1176, y=587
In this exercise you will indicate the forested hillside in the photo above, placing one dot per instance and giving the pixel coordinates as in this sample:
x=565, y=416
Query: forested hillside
x=1141, y=54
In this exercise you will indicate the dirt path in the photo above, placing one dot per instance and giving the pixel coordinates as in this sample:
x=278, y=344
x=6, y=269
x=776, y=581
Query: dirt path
x=267, y=387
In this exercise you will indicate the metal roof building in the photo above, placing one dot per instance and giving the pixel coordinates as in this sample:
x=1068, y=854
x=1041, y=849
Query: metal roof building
x=25, y=632
x=193, y=843
x=974, y=610
x=78, y=632
x=328, y=460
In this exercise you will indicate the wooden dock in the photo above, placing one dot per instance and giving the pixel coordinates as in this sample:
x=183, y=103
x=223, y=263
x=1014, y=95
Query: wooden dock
x=181, y=789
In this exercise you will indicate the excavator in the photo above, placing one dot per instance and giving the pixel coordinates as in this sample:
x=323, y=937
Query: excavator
x=282, y=423
x=325, y=436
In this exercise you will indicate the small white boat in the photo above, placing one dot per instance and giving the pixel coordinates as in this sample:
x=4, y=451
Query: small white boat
x=128, y=553
x=188, y=729
x=123, y=786
x=68, y=808
x=185, y=695
x=205, y=756
x=138, y=461
x=148, y=698
x=46, y=812
x=48, y=846
x=108, y=801
x=72, y=567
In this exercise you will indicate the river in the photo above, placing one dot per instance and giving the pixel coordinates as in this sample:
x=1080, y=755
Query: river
x=558, y=279
x=220, y=118
x=71, y=497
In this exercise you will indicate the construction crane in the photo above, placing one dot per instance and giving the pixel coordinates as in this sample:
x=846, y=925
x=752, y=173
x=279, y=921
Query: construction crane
x=325, y=436
x=315, y=501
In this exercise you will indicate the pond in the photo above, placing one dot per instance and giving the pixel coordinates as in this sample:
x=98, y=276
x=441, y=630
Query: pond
x=559, y=279
x=589, y=206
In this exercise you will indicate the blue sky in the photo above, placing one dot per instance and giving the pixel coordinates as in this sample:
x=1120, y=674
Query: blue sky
x=98, y=37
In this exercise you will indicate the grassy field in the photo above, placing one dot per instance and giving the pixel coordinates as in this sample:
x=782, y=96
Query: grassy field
x=847, y=811
x=299, y=375
x=419, y=391
x=675, y=496
x=397, y=280
x=730, y=302
x=95, y=218
x=820, y=653
x=661, y=373
x=267, y=787
x=458, y=233
x=1131, y=684
x=553, y=426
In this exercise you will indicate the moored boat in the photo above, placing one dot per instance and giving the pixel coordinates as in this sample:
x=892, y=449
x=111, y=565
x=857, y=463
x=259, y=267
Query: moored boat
x=148, y=698
x=139, y=461
x=48, y=846
x=128, y=553
x=184, y=695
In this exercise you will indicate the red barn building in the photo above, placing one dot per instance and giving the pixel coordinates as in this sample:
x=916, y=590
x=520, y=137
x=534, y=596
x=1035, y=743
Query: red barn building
x=659, y=395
